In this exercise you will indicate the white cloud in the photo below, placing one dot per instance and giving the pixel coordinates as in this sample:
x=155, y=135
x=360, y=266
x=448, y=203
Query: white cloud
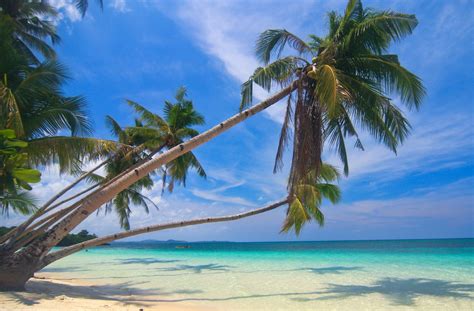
x=216, y=196
x=452, y=204
x=67, y=9
x=227, y=30
x=436, y=144
x=120, y=5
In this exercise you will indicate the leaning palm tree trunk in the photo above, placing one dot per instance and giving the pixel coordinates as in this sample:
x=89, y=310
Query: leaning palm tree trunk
x=178, y=224
x=12, y=236
x=16, y=232
x=16, y=268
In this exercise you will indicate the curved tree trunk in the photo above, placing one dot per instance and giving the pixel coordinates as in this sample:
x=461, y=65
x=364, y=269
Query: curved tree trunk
x=16, y=268
x=105, y=194
x=66, y=251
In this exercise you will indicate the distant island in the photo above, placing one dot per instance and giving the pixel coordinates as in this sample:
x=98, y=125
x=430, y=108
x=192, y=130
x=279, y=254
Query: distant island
x=152, y=242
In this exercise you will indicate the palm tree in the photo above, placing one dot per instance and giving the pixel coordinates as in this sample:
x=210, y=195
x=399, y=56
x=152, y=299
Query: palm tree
x=172, y=130
x=305, y=204
x=33, y=25
x=150, y=135
x=34, y=106
x=343, y=82
x=380, y=74
x=15, y=175
x=310, y=194
x=117, y=165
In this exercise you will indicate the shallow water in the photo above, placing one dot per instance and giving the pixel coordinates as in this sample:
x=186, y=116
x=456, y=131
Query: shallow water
x=343, y=275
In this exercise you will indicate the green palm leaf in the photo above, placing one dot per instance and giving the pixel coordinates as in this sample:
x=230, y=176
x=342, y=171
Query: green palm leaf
x=69, y=152
x=272, y=42
x=22, y=203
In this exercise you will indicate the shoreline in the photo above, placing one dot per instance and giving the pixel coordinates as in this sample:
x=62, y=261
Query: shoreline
x=367, y=276
x=44, y=292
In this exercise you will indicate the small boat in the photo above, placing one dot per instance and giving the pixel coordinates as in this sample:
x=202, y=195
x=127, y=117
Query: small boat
x=183, y=246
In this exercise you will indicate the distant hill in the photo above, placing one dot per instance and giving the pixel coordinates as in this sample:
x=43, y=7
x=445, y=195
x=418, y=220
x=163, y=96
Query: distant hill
x=152, y=242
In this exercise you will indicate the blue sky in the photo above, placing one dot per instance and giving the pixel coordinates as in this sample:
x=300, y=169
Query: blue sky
x=144, y=50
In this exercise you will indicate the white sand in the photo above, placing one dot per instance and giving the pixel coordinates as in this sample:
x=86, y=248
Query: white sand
x=49, y=294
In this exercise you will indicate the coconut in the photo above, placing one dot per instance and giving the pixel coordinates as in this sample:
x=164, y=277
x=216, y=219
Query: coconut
x=312, y=74
x=314, y=60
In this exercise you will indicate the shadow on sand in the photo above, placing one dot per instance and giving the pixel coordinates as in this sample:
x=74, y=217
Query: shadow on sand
x=181, y=270
x=397, y=291
x=126, y=292
x=330, y=270
x=198, y=268
x=63, y=269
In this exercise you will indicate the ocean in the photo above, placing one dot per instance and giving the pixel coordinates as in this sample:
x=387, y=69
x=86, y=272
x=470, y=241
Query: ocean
x=336, y=275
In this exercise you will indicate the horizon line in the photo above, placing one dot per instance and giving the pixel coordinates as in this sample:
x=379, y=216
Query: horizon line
x=298, y=241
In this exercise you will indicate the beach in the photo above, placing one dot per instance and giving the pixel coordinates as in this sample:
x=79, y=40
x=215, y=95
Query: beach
x=354, y=275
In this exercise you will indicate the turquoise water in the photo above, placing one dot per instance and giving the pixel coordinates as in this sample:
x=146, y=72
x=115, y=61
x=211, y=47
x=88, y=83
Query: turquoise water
x=342, y=275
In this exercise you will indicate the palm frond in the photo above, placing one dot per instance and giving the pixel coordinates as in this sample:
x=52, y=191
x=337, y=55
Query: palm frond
x=392, y=76
x=278, y=72
x=69, y=152
x=284, y=136
x=115, y=129
x=147, y=116
x=296, y=217
x=328, y=173
x=83, y=5
x=246, y=92
x=180, y=94
x=10, y=116
x=377, y=30
x=329, y=191
x=327, y=88
x=37, y=44
x=23, y=203
x=272, y=42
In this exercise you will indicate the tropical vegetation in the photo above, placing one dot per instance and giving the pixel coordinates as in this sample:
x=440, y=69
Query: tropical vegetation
x=150, y=135
x=15, y=175
x=32, y=101
x=68, y=240
x=336, y=86
x=343, y=83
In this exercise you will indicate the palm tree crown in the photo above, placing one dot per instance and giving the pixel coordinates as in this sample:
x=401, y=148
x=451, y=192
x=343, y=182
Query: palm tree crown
x=33, y=27
x=150, y=135
x=35, y=107
x=173, y=129
x=343, y=84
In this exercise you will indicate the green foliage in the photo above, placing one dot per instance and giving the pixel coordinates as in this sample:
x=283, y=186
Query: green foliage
x=175, y=127
x=33, y=104
x=15, y=175
x=5, y=230
x=83, y=5
x=32, y=27
x=344, y=83
x=305, y=204
x=68, y=240
x=152, y=133
x=80, y=237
